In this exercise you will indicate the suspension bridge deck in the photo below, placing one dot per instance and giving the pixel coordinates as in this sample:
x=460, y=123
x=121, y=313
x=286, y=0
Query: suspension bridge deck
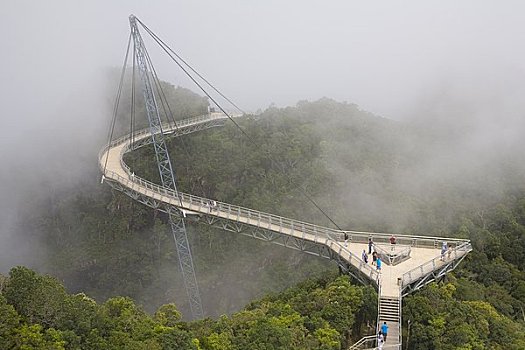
x=422, y=265
x=423, y=249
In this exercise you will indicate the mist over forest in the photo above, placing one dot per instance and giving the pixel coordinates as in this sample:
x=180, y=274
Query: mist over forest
x=399, y=119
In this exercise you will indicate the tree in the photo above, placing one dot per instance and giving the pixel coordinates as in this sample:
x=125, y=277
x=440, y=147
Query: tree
x=38, y=299
x=8, y=324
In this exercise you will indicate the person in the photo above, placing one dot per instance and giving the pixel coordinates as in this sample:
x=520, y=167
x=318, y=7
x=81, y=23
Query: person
x=380, y=340
x=378, y=262
x=374, y=258
x=364, y=256
x=384, y=330
x=443, y=250
x=213, y=204
x=449, y=251
x=346, y=239
x=392, y=239
x=370, y=245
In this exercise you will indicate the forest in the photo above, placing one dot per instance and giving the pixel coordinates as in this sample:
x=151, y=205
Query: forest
x=111, y=280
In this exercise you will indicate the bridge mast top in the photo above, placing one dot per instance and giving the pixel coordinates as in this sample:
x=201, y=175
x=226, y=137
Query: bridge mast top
x=167, y=174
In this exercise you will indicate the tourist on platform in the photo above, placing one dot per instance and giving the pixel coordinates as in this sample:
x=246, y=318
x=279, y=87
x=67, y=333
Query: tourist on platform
x=449, y=251
x=374, y=258
x=378, y=262
x=346, y=239
x=364, y=256
x=444, y=248
x=392, y=239
x=370, y=245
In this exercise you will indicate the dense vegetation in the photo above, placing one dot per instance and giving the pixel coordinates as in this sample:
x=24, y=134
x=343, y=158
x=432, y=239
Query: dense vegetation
x=367, y=172
x=482, y=304
x=37, y=313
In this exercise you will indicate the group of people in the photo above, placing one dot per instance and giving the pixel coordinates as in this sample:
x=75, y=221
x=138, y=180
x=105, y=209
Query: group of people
x=376, y=260
x=381, y=337
x=445, y=249
x=211, y=205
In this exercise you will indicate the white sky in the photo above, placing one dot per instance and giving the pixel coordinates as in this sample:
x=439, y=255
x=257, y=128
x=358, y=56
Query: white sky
x=382, y=55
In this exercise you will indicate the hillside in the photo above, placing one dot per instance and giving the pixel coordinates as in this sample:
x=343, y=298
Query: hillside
x=365, y=171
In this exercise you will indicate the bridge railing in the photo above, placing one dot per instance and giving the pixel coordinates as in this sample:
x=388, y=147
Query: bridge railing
x=426, y=268
x=408, y=240
x=230, y=211
x=364, y=343
x=370, y=343
x=299, y=229
x=203, y=204
x=393, y=254
x=249, y=216
x=356, y=261
x=166, y=127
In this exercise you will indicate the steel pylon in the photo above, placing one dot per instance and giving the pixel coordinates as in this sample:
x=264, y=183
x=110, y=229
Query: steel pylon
x=166, y=172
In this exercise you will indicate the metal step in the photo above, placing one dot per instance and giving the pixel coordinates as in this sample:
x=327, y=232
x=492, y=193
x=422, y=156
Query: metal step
x=389, y=307
x=389, y=312
x=390, y=319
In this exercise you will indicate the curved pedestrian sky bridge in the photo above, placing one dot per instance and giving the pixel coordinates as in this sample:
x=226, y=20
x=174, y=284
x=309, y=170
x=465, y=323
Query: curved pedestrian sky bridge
x=408, y=265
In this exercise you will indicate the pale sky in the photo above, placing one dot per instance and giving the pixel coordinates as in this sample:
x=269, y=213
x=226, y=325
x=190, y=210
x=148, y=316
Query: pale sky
x=382, y=55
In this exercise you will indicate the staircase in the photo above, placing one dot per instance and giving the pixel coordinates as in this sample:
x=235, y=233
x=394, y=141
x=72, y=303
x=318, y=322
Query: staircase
x=390, y=312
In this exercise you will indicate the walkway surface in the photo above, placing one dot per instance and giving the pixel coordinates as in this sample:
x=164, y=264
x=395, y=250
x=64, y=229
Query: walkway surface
x=390, y=274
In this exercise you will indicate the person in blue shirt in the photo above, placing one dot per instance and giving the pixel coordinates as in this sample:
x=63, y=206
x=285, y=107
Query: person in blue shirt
x=378, y=264
x=384, y=330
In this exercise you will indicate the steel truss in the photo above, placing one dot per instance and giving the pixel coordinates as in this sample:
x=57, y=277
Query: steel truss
x=317, y=249
x=435, y=275
x=166, y=172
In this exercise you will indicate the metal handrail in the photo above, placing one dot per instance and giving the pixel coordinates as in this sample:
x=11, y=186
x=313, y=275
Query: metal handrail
x=373, y=339
x=368, y=339
x=425, y=268
x=319, y=234
x=399, y=310
x=192, y=203
x=402, y=252
x=354, y=236
x=378, y=307
x=410, y=240
x=311, y=228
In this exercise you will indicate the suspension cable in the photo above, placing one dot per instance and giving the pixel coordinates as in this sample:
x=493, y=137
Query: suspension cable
x=150, y=32
x=132, y=122
x=117, y=101
x=171, y=54
x=169, y=113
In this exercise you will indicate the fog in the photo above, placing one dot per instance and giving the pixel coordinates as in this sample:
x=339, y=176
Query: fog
x=436, y=63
